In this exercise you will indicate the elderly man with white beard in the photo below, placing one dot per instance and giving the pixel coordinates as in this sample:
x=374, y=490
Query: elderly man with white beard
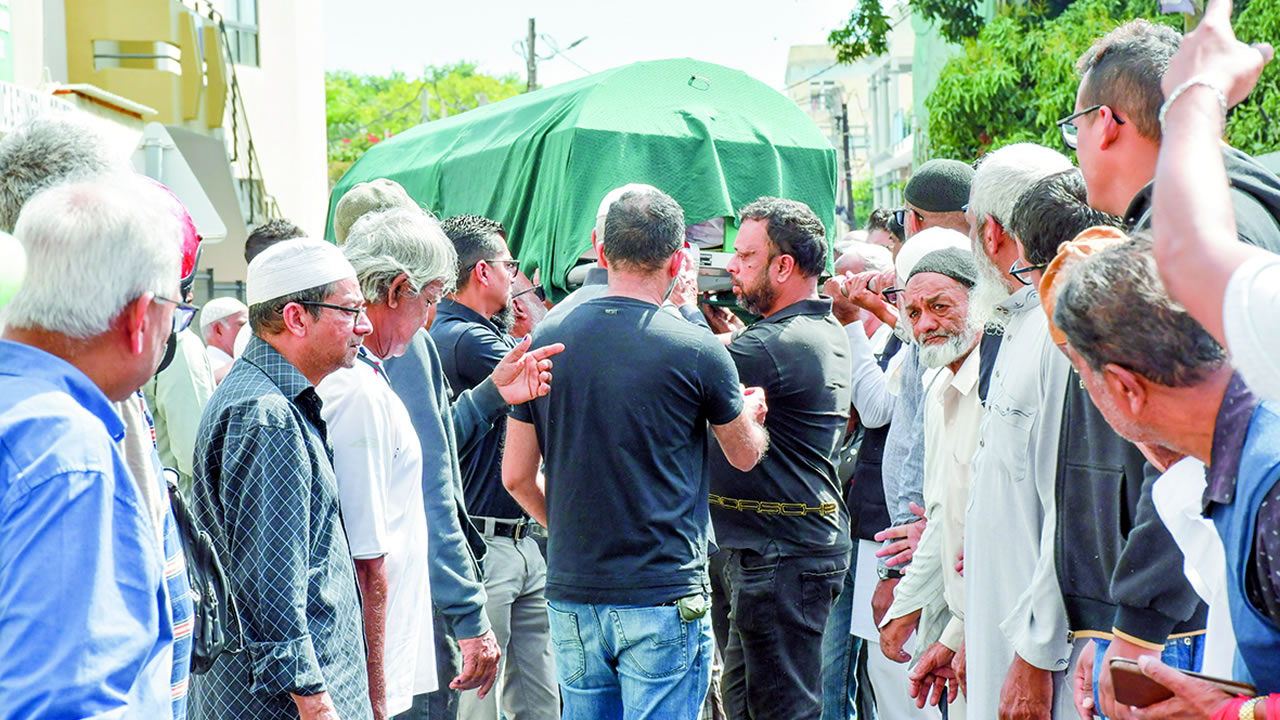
x=946, y=327
x=1015, y=656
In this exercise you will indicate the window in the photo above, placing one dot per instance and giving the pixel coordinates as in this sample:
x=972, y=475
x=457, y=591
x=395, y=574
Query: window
x=241, y=20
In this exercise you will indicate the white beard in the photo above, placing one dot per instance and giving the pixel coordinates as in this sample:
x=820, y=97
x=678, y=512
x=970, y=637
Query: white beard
x=956, y=347
x=987, y=294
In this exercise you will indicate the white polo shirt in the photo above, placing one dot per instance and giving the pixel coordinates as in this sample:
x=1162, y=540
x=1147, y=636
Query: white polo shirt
x=378, y=463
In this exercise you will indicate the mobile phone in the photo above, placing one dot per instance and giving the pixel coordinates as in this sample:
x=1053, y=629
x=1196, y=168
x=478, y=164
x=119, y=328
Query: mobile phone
x=1133, y=687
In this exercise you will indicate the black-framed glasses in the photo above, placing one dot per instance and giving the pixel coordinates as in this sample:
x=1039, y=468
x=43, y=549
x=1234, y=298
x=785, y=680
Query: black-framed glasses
x=355, y=312
x=513, y=265
x=537, y=291
x=891, y=294
x=1018, y=273
x=1071, y=133
x=183, y=314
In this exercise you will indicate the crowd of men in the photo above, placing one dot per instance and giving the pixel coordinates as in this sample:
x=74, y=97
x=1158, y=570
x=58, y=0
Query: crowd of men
x=1014, y=457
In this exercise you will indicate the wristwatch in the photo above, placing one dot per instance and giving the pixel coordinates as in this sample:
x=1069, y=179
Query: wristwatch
x=888, y=573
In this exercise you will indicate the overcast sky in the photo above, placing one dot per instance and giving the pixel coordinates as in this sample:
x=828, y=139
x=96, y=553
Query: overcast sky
x=378, y=36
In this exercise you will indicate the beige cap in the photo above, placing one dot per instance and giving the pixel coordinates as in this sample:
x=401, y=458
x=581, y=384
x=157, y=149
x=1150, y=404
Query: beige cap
x=377, y=194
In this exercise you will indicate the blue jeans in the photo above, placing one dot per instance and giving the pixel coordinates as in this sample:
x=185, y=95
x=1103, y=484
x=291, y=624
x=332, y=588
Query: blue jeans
x=630, y=663
x=840, y=656
x=1186, y=653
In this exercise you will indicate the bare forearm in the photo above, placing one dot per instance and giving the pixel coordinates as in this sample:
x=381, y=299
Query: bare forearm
x=1194, y=225
x=530, y=492
x=372, y=576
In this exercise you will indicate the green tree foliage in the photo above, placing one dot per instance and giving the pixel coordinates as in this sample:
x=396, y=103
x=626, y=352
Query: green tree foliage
x=866, y=32
x=1252, y=124
x=863, y=199
x=362, y=110
x=1017, y=78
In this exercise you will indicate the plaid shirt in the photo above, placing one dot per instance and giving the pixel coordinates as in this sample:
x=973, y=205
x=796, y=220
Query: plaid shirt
x=265, y=491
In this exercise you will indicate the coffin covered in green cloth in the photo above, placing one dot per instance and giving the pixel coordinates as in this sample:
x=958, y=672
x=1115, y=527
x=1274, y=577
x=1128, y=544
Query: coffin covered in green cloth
x=540, y=163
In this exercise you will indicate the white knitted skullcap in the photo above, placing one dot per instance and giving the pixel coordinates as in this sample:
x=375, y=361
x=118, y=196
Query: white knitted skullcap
x=218, y=309
x=289, y=267
x=923, y=243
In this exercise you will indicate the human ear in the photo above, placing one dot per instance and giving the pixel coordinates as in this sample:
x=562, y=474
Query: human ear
x=399, y=288
x=293, y=319
x=135, y=321
x=1127, y=387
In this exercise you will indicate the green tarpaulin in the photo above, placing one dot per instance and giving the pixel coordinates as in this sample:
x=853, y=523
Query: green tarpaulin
x=711, y=137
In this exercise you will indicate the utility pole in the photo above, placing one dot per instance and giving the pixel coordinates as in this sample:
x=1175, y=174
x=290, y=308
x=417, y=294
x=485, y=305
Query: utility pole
x=850, y=215
x=532, y=59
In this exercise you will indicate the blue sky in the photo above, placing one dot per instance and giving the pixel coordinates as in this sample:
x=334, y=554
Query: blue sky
x=377, y=36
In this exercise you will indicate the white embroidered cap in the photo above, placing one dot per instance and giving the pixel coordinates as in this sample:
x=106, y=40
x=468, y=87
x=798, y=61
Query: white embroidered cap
x=289, y=267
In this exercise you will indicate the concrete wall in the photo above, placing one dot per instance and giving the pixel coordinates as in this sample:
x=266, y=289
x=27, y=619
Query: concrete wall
x=284, y=99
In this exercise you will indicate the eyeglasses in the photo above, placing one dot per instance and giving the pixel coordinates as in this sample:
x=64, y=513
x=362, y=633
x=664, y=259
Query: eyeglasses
x=355, y=312
x=513, y=265
x=1019, y=272
x=182, y=315
x=536, y=290
x=900, y=217
x=1071, y=133
x=891, y=294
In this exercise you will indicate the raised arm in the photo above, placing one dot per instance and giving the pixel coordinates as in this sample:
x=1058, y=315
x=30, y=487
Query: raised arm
x=1194, y=225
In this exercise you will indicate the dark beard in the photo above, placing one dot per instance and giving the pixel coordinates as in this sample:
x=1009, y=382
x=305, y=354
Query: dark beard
x=505, y=319
x=759, y=298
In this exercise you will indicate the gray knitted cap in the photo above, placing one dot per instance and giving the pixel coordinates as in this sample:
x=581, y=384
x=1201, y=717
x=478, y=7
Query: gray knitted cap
x=955, y=263
x=939, y=186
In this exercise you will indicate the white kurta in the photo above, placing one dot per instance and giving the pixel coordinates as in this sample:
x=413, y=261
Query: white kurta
x=952, y=416
x=1011, y=603
x=378, y=463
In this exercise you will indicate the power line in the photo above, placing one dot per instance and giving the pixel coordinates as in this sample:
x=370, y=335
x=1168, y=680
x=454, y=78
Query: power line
x=832, y=65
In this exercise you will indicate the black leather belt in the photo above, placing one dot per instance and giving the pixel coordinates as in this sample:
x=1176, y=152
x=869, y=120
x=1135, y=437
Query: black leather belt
x=516, y=529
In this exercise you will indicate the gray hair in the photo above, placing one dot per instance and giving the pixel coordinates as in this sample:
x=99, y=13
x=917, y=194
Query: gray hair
x=92, y=248
x=48, y=150
x=1114, y=309
x=1005, y=174
x=875, y=258
x=384, y=244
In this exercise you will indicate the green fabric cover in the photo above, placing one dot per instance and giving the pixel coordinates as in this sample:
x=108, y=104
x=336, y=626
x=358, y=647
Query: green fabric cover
x=540, y=163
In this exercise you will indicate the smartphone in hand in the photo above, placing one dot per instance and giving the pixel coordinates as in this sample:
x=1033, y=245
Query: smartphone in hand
x=1134, y=688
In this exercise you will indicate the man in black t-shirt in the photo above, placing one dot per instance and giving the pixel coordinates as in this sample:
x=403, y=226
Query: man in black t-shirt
x=784, y=523
x=625, y=499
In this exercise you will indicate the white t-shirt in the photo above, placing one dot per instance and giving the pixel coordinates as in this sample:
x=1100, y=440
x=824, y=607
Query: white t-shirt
x=1251, y=323
x=378, y=463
